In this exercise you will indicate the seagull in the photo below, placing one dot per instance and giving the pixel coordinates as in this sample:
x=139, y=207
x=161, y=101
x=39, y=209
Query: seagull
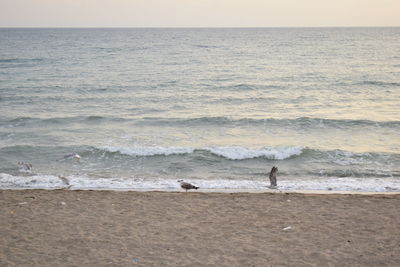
x=272, y=177
x=25, y=166
x=64, y=180
x=187, y=186
x=71, y=156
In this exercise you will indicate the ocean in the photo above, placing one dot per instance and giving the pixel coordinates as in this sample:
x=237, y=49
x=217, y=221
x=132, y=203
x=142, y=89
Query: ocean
x=217, y=107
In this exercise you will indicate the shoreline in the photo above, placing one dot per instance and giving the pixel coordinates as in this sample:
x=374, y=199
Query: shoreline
x=310, y=184
x=222, y=191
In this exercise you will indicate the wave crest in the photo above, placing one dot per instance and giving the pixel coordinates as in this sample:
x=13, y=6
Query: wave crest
x=240, y=153
x=148, y=151
x=302, y=122
x=298, y=122
x=231, y=153
x=381, y=83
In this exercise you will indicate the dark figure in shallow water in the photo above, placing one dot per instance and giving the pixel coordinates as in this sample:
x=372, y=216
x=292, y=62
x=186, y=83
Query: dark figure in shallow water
x=187, y=186
x=272, y=176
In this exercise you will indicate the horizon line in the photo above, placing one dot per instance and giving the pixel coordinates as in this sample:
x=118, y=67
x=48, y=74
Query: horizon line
x=183, y=27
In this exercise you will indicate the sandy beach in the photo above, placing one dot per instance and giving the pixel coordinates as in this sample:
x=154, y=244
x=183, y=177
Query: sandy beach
x=108, y=228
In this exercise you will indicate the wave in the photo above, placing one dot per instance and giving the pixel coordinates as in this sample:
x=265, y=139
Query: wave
x=247, y=87
x=336, y=156
x=185, y=122
x=136, y=184
x=355, y=173
x=240, y=153
x=20, y=60
x=148, y=151
x=239, y=100
x=27, y=121
x=381, y=84
x=205, y=46
x=298, y=122
x=303, y=122
x=230, y=153
x=347, y=158
x=15, y=63
x=229, y=163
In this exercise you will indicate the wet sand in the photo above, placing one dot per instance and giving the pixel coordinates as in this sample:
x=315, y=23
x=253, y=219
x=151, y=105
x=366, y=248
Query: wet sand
x=108, y=228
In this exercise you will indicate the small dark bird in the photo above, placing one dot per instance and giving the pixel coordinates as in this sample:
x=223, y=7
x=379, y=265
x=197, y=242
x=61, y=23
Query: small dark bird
x=272, y=176
x=187, y=186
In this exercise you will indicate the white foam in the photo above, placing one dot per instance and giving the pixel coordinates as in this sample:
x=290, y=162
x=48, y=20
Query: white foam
x=229, y=152
x=343, y=184
x=83, y=182
x=35, y=181
x=239, y=153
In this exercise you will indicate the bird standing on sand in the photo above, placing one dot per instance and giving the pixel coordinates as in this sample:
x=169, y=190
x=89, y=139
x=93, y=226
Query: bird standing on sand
x=272, y=177
x=187, y=186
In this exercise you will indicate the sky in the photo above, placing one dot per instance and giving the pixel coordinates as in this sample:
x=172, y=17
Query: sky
x=199, y=13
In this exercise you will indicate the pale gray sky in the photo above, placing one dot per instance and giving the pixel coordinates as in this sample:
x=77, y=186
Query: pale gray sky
x=198, y=13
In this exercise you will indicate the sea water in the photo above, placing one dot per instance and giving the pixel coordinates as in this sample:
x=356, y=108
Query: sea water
x=215, y=107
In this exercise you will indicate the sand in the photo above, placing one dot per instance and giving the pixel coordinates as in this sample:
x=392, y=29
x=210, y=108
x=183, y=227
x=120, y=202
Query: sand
x=106, y=228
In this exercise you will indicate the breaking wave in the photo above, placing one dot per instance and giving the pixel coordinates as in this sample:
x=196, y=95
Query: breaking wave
x=307, y=155
x=240, y=153
x=148, y=151
x=231, y=153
